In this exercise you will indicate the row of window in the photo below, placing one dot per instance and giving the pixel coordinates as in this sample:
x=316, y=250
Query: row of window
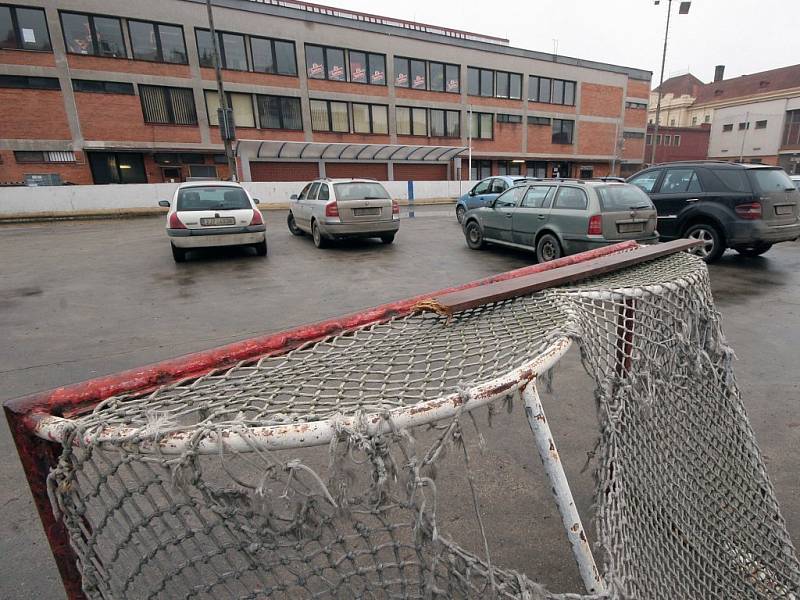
x=664, y=140
x=266, y=55
x=745, y=125
x=426, y=75
x=23, y=29
x=551, y=91
x=791, y=128
x=636, y=105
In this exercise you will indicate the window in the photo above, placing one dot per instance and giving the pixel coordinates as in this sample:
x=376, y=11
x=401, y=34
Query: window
x=536, y=169
x=707, y=119
x=417, y=74
x=327, y=115
x=498, y=186
x=231, y=50
x=205, y=171
x=482, y=125
x=562, y=131
x=324, y=192
x=367, y=67
x=480, y=82
x=436, y=71
x=510, y=198
x=676, y=140
x=538, y=120
x=728, y=127
x=323, y=62
x=743, y=126
x=658, y=140
x=502, y=118
x=694, y=121
x=636, y=105
x=241, y=104
x=279, y=112
x=761, y=124
x=555, y=91
x=273, y=56
x=771, y=180
x=622, y=198
x=370, y=118
x=120, y=167
x=791, y=128
x=667, y=140
x=411, y=121
x=677, y=181
x=509, y=85
x=571, y=198
x=633, y=135
x=102, y=87
x=649, y=140
x=167, y=105
x=423, y=75
x=646, y=181
x=672, y=122
x=538, y=196
x=23, y=29
x=506, y=167
x=452, y=74
x=157, y=42
x=28, y=82
x=44, y=157
x=90, y=34
x=445, y=123
x=480, y=170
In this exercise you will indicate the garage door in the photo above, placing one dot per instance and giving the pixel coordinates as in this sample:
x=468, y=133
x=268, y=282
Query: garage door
x=411, y=172
x=377, y=171
x=284, y=171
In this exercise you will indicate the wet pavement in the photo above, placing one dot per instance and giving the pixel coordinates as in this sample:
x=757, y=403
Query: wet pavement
x=83, y=299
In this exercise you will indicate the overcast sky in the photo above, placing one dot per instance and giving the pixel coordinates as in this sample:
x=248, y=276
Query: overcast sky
x=746, y=36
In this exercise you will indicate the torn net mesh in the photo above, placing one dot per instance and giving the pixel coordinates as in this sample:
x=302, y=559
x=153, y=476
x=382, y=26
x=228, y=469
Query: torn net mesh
x=684, y=507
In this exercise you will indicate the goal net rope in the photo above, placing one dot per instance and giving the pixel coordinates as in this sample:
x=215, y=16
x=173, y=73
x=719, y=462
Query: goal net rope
x=302, y=475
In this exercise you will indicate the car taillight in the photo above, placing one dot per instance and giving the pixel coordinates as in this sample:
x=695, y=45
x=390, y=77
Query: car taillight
x=750, y=211
x=395, y=207
x=332, y=209
x=257, y=220
x=595, y=225
x=175, y=222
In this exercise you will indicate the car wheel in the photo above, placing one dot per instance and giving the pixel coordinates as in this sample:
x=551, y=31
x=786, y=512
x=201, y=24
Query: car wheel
x=261, y=248
x=474, y=236
x=548, y=248
x=460, y=212
x=179, y=254
x=319, y=240
x=293, y=228
x=387, y=239
x=712, y=245
x=754, y=250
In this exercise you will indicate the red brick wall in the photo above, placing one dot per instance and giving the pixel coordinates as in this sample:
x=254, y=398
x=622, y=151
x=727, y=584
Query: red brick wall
x=77, y=173
x=634, y=149
x=601, y=100
x=124, y=65
x=344, y=87
x=27, y=57
x=284, y=171
x=540, y=141
x=105, y=117
x=250, y=78
x=638, y=89
x=414, y=172
x=507, y=138
x=694, y=144
x=351, y=138
x=38, y=114
x=494, y=102
x=534, y=106
x=595, y=138
x=425, y=95
x=635, y=117
x=379, y=171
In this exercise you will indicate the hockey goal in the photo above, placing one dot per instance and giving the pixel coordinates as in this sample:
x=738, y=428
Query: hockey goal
x=197, y=478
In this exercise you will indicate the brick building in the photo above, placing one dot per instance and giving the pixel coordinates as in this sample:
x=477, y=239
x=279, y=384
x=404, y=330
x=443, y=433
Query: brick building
x=678, y=143
x=107, y=91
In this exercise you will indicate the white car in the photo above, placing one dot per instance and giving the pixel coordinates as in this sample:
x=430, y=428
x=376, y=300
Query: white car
x=795, y=180
x=205, y=214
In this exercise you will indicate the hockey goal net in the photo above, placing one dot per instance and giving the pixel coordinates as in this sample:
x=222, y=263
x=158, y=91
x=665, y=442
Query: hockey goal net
x=287, y=467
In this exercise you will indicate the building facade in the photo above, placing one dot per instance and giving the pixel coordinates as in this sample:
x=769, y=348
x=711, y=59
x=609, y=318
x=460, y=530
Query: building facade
x=677, y=143
x=108, y=91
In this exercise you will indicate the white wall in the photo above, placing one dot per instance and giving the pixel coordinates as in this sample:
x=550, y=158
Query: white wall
x=757, y=142
x=89, y=198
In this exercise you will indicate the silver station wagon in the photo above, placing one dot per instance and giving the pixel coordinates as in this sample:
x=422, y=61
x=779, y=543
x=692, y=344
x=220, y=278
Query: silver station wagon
x=560, y=217
x=333, y=209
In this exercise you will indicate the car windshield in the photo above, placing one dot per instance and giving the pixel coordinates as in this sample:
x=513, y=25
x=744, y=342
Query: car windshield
x=360, y=190
x=622, y=197
x=212, y=197
x=771, y=180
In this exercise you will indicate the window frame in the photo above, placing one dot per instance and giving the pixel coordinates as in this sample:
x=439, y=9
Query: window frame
x=762, y=124
x=561, y=131
x=370, y=117
x=346, y=66
x=15, y=82
x=538, y=121
x=17, y=30
x=169, y=106
x=104, y=85
x=271, y=41
x=569, y=89
x=411, y=110
x=159, y=46
x=330, y=115
x=727, y=127
x=93, y=32
x=508, y=118
x=229, y=99
x=281, y=114
x=570, y=187
x=221, y=47
x=480, y=128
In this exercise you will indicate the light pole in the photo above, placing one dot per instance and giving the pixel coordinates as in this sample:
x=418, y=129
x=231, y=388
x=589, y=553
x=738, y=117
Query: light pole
x=227, y=130
x=682, y=10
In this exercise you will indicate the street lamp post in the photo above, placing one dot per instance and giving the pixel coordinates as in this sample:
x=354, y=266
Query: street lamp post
x=224, y=114
x=684, y=9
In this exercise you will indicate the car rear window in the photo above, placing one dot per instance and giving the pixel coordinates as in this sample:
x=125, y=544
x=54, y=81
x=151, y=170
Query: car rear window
x=212, y=197
x=360, y=191
x=733, y=179
x=771, y=180
x=622, y=197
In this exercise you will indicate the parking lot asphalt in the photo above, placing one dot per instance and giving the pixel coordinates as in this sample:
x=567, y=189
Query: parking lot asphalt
x=83, y=299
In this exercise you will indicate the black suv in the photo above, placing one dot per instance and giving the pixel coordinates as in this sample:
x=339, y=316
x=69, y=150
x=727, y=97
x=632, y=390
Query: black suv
x=725, y=205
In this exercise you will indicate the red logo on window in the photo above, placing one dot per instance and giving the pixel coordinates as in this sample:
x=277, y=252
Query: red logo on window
x=402, y=79
x=419, y=82
x=315, y=69
x=336, y=72
x=378, y=76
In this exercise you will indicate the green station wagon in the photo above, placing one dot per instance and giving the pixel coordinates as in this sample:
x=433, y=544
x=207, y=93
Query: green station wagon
x=560, y=217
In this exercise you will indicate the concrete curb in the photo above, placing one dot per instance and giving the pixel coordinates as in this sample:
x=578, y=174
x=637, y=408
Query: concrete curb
x=132, y=213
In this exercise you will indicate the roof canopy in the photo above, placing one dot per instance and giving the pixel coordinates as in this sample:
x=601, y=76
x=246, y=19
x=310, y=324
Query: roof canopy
x=255, y=149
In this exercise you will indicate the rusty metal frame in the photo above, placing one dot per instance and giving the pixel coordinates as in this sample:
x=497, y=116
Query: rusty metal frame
x=40, y=412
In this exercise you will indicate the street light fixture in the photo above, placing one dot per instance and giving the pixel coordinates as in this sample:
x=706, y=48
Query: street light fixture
x=683, y=9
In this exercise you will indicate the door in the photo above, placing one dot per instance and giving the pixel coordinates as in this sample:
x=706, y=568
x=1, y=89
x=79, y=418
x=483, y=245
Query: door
x=532, y=214
x=648, y=183
x=476, y=197
x=310, y=205
x=300, y=210
x=678, y=190
x=569, y=217
x=497, y=220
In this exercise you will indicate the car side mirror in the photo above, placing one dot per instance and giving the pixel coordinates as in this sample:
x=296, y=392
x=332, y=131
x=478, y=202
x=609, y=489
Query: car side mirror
x=256, y=200
x=164, y=203
x=293, y=197
x=472, y=192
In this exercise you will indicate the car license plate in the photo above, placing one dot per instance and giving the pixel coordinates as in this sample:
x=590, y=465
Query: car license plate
x=216, y=221
x=784, y=209
x=366, y=212
x=630, y=227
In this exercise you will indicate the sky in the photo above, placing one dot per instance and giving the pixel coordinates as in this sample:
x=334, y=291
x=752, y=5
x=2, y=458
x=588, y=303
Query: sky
x=746, y=36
